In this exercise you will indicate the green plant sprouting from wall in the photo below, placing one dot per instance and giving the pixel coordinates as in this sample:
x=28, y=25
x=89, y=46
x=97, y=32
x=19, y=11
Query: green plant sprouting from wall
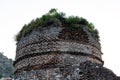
x=57, y=19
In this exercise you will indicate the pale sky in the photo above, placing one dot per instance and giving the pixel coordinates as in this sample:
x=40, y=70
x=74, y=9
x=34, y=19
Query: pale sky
x=104, y=14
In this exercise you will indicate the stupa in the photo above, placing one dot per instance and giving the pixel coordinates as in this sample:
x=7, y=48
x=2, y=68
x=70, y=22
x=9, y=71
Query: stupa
x=54, y=46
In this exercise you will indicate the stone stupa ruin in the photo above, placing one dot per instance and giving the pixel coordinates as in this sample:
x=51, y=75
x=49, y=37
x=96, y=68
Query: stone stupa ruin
x=55, y=47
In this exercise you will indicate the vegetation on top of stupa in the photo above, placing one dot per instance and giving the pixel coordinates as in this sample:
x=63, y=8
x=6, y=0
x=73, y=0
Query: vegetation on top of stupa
x=57, y=19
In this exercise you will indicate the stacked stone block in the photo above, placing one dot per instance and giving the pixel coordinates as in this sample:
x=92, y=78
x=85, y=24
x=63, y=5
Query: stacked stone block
x=50, y=50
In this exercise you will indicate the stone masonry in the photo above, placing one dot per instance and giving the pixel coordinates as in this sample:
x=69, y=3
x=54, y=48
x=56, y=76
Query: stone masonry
x=55, y=53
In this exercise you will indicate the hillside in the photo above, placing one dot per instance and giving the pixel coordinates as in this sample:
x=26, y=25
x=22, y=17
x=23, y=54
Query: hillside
x=6, y=66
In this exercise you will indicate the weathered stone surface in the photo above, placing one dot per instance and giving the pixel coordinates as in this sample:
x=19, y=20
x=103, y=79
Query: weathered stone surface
x=94, y=71
x=52, y=59
x=83, y=71
x=60, y=53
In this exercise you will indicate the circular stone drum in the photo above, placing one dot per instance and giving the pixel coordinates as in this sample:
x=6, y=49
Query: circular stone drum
x=46, y=51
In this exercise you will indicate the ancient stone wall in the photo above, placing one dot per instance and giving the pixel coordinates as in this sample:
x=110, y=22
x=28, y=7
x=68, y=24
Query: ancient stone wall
x=54, y=47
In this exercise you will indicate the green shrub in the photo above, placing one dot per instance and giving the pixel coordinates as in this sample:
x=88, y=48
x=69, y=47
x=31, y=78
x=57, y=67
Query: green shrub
x=57, y=19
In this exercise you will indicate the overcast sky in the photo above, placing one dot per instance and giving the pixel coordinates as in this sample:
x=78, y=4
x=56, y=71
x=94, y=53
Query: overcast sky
x=104, y=14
